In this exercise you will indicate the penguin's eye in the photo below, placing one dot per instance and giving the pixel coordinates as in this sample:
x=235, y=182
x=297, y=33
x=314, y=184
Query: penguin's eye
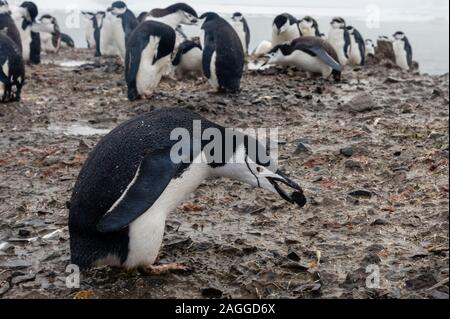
x=259, y=169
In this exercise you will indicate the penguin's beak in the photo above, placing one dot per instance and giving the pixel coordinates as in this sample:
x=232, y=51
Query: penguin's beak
x=296, y=197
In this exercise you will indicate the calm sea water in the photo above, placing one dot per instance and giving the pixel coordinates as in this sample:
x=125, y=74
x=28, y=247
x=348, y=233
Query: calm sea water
x=429, y=36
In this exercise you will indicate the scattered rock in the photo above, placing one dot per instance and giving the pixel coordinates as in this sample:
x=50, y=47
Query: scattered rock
x=421, y=282
x=212, y=293
x=380, y=222
x=436, y=294
x=303, y=148
x=16, y=264
x=356, y=279
x=4, y=288
x=361, y=103
x=20, y=279
x=347, y=152
x=293, y=255
x=361, y=194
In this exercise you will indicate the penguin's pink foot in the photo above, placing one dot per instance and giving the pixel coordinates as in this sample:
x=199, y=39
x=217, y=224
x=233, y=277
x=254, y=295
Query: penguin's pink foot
x=158, y=270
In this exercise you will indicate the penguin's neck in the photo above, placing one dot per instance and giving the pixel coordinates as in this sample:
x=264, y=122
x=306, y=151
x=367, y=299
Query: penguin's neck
x=173, y=19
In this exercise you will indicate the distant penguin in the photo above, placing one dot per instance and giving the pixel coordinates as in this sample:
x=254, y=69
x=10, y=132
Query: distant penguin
x=150, y=47
x=284, y=29
x=50, y=41
x=241, y=27
x=310, y=54
x=370, y=48
x=89, y=18
x=25, y=18
x=339, y=38
x=8, y=26
x=122, y=27
x=131, y=182
x=105, y=35
x=263, y=48
x=223, y=54
x=12, y=70
x=357, y=55
x=188, y=60
x=309, y=27
x=403, y=51
x=67, y=41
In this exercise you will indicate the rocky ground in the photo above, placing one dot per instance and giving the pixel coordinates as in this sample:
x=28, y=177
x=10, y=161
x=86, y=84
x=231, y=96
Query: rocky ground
x=371, y=153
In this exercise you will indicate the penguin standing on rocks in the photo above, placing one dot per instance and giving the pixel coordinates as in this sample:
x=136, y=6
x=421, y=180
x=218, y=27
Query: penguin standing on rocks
x=123, y=26
x=240, y=25
x=357, y=54
x=339, y=38
x=370, y=48
x=150, y=47
x=223, y=54
x=51, y=39
x=12, y=70
x=8, y=26
x=135, y=177
x=284, y=29
x=309, y=27
x=188, y=60
x=25, y=19
x=403, y=51
x=89, y=18
x=310, y=54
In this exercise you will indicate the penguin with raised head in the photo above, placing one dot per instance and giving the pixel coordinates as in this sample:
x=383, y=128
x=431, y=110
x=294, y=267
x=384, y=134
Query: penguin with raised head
x=188, y=60
x=123, y=26
x=25, y=18
x=339, y=38
x=284, y=29
x=51, y=39
x=67, y=41
x=357, y=55
x=403, y=51
x=309, y=27
x=140, y=172
x=370, y=48
x=310, y=54
x=223, y=54
x=8, y=26
x=241, y=27
x=150, y=47
x=12, y=70
x=90, y=28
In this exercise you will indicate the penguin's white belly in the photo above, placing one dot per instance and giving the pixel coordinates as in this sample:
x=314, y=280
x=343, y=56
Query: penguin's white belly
x=400, y=55
x=310, y=63
x=107, y=47
x=290, y=34
x=355, y=54
x=149, y=75
x=263, y=48
x=213, y=80
x=90, y=39
x=25, y=35
x=370, y=50
x=336, y=39
x=119, y=38
x=239, y=28
x=308, y=32
x=191, y=62
x=147, y=232
x=47, y=43
x=5, y=70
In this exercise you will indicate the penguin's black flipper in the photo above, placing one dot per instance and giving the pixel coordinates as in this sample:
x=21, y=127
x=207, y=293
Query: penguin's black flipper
x=322, y=54
x=348, y=42
x=153, y=176
x=135, y=46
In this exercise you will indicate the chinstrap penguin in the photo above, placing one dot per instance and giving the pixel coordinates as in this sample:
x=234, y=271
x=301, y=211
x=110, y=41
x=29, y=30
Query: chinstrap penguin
x=131, y=182
x=25, y=18
x=89, y=18
x=122, y=26
x=403, y=51
x=188, y=60
x=223, y=54
x=50, y=38
x=12, y=70
x=8, y=26
x=240, y=24
x=309, y=27
x=310, y=54
x=263, y=48
x=339, y=38
x=284, y=29
x=357, y=55
x=370, y=48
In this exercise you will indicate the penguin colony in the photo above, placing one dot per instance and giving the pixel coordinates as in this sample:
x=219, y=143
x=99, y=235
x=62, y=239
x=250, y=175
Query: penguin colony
x=130, y=183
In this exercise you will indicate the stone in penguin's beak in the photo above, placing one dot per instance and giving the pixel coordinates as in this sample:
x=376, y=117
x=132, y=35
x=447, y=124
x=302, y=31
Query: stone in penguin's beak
x=296, y=197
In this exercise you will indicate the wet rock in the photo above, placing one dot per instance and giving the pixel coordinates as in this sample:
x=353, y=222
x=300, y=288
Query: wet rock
x=293, y=255
x=347, y=152
x=16, y=264
x=421, y=282
x=436, y=294
x=353, y=165
x=4, y=288
x=361, y=194
x=313, y=288
x=356, y=279
x=20, y=279
x=24, y=233
x=295, y=267
x=212, y=293
x=361, y=103
x=371, y=259
x=303, y=148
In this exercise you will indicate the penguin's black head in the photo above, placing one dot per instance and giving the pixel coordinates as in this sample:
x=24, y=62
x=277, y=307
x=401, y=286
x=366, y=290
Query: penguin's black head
x=32, y=9
x=4, y=7
x=142, y=16
x=338, y=23
x=187, y=10
x=281, y=22
x=399, y=35
x=208, y=16
x=350, y=29
x=237, y=16
x=118, y=8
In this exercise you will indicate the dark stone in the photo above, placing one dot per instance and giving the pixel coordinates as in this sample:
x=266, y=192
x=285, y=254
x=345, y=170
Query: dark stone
x=436, y=294
x=356, y=279
x=293, y=255
x=380, y=222
x=421, y=282
x=303, y=149
x=212, y=293
x=361, y=194
x=347, y=152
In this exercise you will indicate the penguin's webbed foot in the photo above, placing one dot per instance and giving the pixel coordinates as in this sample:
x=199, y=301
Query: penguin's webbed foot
x=158, y=270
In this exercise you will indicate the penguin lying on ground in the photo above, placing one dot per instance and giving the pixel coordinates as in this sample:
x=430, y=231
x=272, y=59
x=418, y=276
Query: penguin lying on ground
x=309, y=27
x=240, y=25
x=309, y=54
x=339, y=38
x=403, y=51
x=12, y=70
x=25, y=18
x=150, y=47
x=136, y=176
x=357, y=55
x=51, y=39
x=122, y=26
x=67, y=41
x=223, y=54
x=188, y=60
x=8, y=26
x=284, y=29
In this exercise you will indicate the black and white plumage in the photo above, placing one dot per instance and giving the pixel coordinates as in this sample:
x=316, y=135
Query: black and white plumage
x=311, y=54
x=12, y=70
x=89, y=18
x=142, y=16
x=339, y=38
x=148, y=54
x=67, y=41
x=131, y=183
x=50, y=38
x=223, y=54
x=122, y=26
x=357, y=55
x=309, y=27
x=370, y=48
x=403, y=51
x=25, y=18
x=284, y=29
x=188, y=60
x=241, y=27
x=8, y=26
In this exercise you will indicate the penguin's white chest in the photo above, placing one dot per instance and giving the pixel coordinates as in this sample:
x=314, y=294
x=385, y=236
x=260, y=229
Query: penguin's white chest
x=107, y=46
x=355, y=53
x=290, y=33
x=118, y=37
x=149, y=74
x=400, y=54
x=5, y=70
x=147, y=232
x=25, y=36
x=47, y=42
x=213, y=79
x=337, y=40
x=191, y=62
x=239, y=28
